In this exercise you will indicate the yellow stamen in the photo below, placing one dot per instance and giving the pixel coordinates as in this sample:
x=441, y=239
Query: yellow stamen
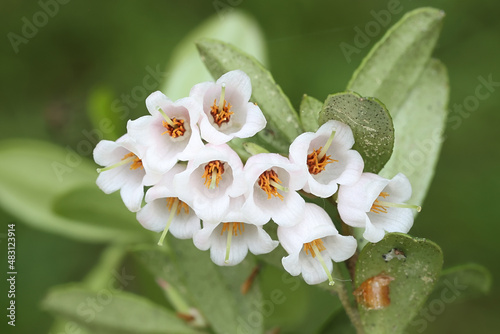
x=213, y=173
x=221, y=113
x=316, y=164
x=316, y=247
x=270, y=183
x=309, y=247
x=175, y=128
x=137, y=163
x=180, y=206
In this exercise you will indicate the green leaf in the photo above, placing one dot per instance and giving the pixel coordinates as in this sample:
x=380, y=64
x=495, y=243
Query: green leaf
x=309, y=113
x=461, y=283
x=419, y=127
x=98, y=278
x=111, y=311
x=185, y=68
x=394, y=64
x=370, y=123
x=41, y=179
x=283, y=124
x=103, y=215
x=415, y=275
x=213, y=290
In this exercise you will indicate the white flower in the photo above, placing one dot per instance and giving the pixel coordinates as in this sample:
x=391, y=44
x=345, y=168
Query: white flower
x=165, y=212
x=230, y=239
x=328, y=158
x=271, y=182
x=312, y=244
x=210, y=179
x=226, y=111
x=377, y=204
x=123, y=170
x=169, y=134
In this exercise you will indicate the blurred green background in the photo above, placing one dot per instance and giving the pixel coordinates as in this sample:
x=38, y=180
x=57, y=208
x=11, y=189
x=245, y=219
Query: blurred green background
x=96, y=45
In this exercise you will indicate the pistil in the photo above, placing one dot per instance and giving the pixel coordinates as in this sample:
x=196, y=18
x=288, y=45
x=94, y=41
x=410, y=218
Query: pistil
x=127, y=158
x=381, y=206
x=232, y=229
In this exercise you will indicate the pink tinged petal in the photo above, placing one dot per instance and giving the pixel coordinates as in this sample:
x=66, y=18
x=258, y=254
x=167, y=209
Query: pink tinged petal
x=363, y=193
x=164, y=187
x=209, y=204
x=157, y=100
x=291, y=213
x=315, y=225
x=258, y=241
x=238, y=81
x=254, y=122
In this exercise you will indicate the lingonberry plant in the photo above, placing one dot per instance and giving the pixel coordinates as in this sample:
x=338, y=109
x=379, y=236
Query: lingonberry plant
x=240, y=206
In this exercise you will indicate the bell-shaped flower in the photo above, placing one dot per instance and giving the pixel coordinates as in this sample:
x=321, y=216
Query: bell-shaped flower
x=230, y=239
x=272, y=182
x=327, y=157
x=169, y=134
x=123, y=170
x=313, y=244
x=212, y=176
x=165, y=212
x=227, y=112
x=377, y=205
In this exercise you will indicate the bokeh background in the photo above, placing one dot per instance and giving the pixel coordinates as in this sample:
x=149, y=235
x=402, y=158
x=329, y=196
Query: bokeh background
x=94, y=45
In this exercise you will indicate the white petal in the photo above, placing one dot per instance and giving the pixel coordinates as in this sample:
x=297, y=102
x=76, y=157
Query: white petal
x=399, y=189
x=154, y=215
x=258, y=241
x=373, y=233
x=236, y=80
x=111, y=180
x=157, y=100
x=312, y=270
x=107, y=153
x=132, y=193
x=340, y=247
x=395, y=220
x=185, y=225
x=254, y=122
x=201, y=239
x=291, y=212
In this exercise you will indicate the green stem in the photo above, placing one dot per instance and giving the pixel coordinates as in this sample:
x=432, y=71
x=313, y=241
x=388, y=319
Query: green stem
x=350, y=307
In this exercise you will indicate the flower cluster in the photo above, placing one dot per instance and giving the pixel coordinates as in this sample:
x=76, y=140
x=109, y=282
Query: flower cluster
x=199, y=188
